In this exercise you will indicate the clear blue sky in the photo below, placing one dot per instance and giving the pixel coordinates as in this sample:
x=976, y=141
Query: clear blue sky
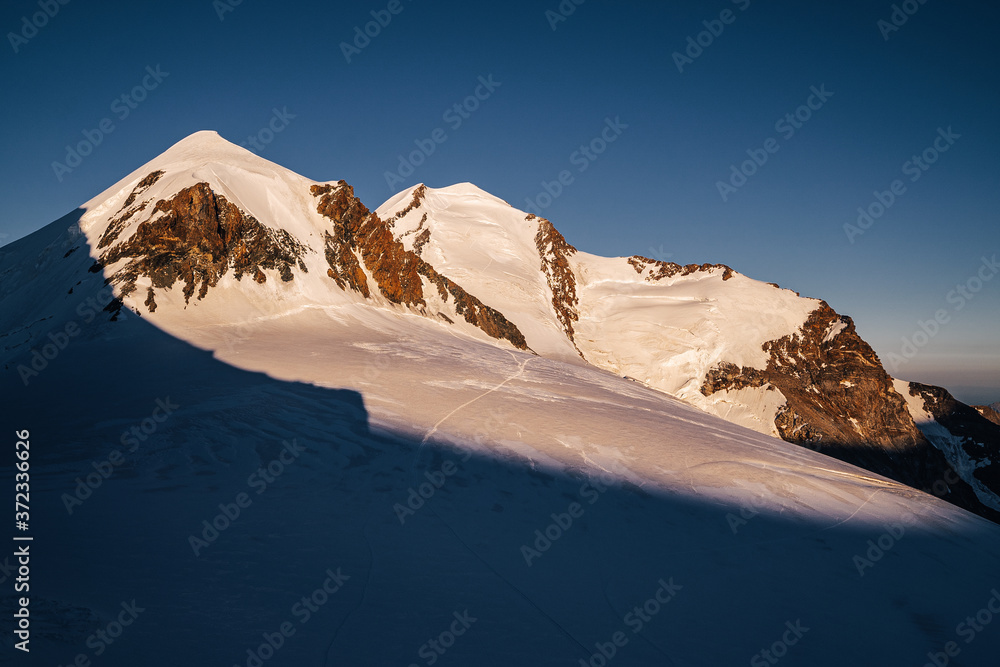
x=653, y=191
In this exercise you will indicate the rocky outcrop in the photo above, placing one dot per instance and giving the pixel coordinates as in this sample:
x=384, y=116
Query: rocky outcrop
x=419, y=193
x=989, y=412
x=835, y=387
x=359, y=237
x=969, y=441
x=962, y=421
x=199, y=237
x=358, y=230
x=473, y=310
x=555, y=252
x=840, y=401
x=421, y=239
x=659, y=270
x=118, y=224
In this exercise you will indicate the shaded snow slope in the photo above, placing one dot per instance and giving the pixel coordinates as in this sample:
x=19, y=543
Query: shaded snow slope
x=743, y=533
x=420, y=469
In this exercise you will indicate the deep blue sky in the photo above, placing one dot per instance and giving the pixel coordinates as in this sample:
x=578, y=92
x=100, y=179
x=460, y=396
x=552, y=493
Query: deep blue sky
x=653, y=191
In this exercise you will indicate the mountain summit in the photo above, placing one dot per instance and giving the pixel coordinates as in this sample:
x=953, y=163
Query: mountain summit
x=208, y=236
x=376, y=432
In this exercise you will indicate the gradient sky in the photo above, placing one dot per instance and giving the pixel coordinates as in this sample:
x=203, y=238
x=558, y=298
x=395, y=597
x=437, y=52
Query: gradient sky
x=653, y=191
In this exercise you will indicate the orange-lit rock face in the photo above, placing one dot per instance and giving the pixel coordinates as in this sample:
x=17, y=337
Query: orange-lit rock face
x=841, y=402
x=555, y=252
x=668, y=269
x=828, y=382
x=196, y=237
x=359, y=237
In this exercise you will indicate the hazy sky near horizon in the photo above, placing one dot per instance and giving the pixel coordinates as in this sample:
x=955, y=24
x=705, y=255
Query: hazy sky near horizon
x=737, y=131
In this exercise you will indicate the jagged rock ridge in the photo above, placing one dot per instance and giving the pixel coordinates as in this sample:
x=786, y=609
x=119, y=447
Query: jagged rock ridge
x=660, y=270
x=397, y=271
x=199, y=237
x=555, y=252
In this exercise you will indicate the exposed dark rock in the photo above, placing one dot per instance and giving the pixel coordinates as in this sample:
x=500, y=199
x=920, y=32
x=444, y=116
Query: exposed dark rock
x=989, y=412
x=395, y=270
x=963, y=421
x=473, y=310
x=555, y=252
x=972, y=440
x=418, y=195
x=114, y=307
x=421, y=240
x=198, y=239
x=840, y=401
x=117, y=224
x=143, y=185
x=358, y=230
x=660, y=270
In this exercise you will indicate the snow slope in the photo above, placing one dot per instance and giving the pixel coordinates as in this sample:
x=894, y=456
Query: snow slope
x=757, y=532
x=667, y=333
x=429, y=475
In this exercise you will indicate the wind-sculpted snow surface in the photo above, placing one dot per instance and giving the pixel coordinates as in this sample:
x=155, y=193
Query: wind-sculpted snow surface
x=294, y=472
x=326, y=490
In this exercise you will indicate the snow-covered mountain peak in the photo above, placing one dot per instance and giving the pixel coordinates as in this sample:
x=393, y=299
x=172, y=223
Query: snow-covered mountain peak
x=208, y=236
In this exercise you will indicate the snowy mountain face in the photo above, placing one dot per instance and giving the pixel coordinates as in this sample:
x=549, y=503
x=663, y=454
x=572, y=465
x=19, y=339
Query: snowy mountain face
x=207, y=215
x=419, y=412
x=991, y=412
